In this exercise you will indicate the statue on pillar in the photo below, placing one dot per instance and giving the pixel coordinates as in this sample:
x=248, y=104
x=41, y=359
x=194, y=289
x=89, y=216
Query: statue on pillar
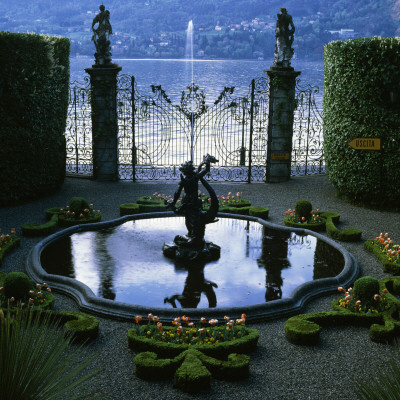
x=284, y=35
x=102, y=30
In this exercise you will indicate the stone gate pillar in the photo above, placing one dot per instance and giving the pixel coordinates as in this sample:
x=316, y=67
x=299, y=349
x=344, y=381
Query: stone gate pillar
x=104, y=121
x=103, y=80
x=282, y=82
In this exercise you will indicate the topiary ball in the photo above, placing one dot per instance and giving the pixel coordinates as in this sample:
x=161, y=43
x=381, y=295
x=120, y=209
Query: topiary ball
x=17, y=285
x=303, y=208
x=78, y=204
x=365, y=288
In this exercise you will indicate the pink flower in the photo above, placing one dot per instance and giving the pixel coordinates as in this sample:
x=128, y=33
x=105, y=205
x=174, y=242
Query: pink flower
x=240, y=321
x=155, y=318
x=358, y=302
x=226, y=318
x=12, y=299
x=191, y=324
x=179, y=330
x=150, y=316
x=203, y=320
x=213, y=322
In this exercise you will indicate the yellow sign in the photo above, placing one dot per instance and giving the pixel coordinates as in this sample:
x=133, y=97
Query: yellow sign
x=366, y=144
x=280, y=156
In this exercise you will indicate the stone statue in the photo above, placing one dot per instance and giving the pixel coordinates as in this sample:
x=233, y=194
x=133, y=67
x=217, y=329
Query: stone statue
x=284, y=35
x=101, y=35
x=193, y=246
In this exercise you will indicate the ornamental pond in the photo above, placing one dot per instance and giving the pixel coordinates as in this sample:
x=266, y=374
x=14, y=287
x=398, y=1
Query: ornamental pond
x=124, y=263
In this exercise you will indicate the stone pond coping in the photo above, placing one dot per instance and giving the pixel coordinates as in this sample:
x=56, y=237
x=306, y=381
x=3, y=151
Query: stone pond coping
x=89, y=302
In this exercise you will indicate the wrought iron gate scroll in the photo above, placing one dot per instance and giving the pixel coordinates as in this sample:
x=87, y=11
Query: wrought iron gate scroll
x=156, y=136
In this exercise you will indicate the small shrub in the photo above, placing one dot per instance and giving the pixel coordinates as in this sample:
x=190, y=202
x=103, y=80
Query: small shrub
x=78, y=204
x=303, y=209
x=366, y=288
x=17, y=285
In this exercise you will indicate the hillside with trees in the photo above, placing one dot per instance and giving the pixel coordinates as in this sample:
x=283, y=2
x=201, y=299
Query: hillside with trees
x=223, y=28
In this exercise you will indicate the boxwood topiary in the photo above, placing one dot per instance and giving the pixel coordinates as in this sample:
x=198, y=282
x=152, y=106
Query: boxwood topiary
x=303, y=209
x=17, y=285
x=365, y=288
x=78, y=204
x=362, y=80
x=192, y=369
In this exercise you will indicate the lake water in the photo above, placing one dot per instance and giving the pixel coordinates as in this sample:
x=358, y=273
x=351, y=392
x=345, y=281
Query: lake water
x=210, y=75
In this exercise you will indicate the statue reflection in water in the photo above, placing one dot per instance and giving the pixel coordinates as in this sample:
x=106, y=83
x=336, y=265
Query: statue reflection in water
x=195, y=286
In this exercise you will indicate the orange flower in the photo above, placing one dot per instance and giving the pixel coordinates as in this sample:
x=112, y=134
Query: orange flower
x=179, y=330
x=159, y=326
x=138, y=318
x=243, y=316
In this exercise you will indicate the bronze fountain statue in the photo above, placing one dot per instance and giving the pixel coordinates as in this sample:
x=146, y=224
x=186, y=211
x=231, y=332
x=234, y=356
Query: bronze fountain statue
x=192, y=246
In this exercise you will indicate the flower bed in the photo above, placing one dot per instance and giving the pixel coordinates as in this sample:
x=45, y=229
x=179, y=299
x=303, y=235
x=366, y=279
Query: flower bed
x=38, y=297
x=386, y=251
x=379, y=312
x=7, y=242
x=319, y=221
x=169, y=341
x=79, y=211
x=80, y=326
x=192, y=355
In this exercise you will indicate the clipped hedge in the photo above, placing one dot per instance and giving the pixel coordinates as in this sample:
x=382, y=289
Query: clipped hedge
x=304, y=329
x=33, y=110
x=35, y=229
x=361, y=100
x=348, y=235
x=192, y=370
x=259, y=212
x=245, y=344
x=5, y=248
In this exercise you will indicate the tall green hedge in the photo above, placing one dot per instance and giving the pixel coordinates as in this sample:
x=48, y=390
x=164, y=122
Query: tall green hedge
x=362, y=100
x=34, y=84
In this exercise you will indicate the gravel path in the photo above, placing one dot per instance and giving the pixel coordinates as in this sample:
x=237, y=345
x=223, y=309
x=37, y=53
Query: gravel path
x=278, y=369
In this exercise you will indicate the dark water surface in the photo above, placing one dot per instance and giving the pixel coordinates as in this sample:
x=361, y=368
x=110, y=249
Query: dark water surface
x=257, y=264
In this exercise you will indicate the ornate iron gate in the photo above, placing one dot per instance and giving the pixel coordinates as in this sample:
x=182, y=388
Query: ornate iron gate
x=307, y=147
x=156, y=136
x=78, y=135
